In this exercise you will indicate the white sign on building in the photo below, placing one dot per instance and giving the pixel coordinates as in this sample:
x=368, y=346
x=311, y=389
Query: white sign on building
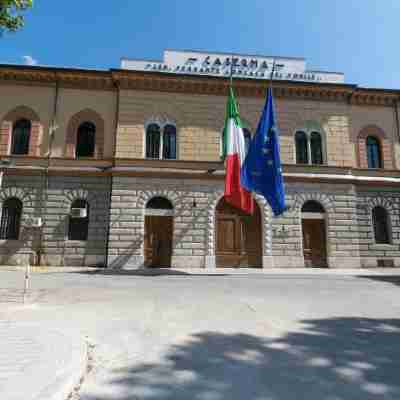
x=241, y=66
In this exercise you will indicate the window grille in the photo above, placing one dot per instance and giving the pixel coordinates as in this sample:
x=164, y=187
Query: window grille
x=10, y=219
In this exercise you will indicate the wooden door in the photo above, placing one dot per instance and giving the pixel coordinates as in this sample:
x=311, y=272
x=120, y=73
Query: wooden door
x=314, y=242
x=158, y=241
x=238, y=237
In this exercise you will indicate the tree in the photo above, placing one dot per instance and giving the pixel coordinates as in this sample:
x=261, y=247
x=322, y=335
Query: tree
x=10, y=14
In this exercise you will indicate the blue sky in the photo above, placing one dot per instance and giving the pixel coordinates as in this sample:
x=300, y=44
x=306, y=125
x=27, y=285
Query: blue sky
x=358, y=37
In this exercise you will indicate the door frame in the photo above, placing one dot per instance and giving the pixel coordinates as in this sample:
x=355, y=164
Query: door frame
x=147, y=262
x=215, y=226
x=319, y=216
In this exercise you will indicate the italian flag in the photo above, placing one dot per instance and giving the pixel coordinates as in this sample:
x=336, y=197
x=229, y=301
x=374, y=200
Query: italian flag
x=234, y=152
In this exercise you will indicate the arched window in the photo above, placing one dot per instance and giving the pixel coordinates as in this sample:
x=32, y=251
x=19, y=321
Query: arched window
x=247, y=138
x=373, y=152
x=316, y=148
x=301, y=148
x=312, y=206
x=153, y=141
x=161, y=141
x=21, y=135
x=78, y=224
x=159, y=203
x=86, y=140
x=10, y=219
x=169, y=142
x=380, y=221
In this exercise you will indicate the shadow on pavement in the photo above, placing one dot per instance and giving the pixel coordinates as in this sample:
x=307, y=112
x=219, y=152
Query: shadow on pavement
x=328, y=359
x=143, y=272
x=395, y=280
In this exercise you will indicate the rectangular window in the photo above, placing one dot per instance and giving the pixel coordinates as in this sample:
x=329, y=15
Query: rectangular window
x=78, y=228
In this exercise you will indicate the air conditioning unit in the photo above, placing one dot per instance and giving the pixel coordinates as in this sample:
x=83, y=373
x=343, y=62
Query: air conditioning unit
x=78, y=212
x=36, y=222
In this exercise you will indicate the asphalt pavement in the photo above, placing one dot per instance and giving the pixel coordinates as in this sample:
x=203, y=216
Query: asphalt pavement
x=163, y=336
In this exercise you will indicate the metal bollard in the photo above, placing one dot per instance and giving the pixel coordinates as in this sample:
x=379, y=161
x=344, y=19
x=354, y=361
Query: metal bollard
x=26, y=281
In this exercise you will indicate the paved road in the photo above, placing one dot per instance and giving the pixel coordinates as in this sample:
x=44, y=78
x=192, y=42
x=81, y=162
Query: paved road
x=39, y=362
x=250, y=337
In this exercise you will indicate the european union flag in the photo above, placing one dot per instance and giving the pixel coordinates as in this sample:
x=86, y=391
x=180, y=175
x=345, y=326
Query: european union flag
x=261, y=171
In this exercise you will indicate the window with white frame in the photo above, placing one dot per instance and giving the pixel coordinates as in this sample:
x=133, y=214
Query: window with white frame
x=161, y=141
x=309, y=147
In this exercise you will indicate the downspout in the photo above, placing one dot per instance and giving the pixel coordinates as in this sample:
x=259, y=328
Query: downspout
x=116, y=84
x=396, y=114
x=44, y=197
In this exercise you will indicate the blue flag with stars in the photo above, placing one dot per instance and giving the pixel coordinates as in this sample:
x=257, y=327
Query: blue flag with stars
x=261, y=171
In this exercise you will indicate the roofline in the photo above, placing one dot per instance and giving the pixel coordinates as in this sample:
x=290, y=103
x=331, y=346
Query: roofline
x=162, y=74
x=241, y=79
x=53, y=68
x=316, y=71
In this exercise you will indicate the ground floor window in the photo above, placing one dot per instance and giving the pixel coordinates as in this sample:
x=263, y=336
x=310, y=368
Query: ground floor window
x=10, y=219
x=79, y=220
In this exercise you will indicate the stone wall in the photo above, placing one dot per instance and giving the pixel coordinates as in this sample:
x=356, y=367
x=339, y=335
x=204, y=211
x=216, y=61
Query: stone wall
x=54, y=207
x=348, y=210
x=339, y=203
x=194, y=220
x=370, y=251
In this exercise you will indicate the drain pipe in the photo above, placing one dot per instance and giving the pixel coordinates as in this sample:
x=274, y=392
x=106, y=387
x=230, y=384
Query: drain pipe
x=396, y=113
x=44, y=197
x=117, y=87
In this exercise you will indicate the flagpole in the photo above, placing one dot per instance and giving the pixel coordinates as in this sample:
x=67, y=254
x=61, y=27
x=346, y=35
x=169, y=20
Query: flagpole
x=271, y=78
x=231, y=73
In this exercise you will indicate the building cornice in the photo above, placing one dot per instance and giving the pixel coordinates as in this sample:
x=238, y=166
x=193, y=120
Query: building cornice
x=67, y=78
x=179, y=169
x=190, y=84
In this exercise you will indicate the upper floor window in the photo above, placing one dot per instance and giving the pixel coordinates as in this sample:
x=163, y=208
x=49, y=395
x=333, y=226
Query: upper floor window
x=21, y=134
x=380, y=220
x=86, y=140
x=301, y=148
x=309, y=148
x=316, y=148
x=169, y=142
x=79, y=224
x=161, y=142
x=10, y=219
x=374, y=157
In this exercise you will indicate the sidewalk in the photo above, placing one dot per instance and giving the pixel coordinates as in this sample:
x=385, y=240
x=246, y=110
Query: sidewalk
x=214, y=271
x=38, y=363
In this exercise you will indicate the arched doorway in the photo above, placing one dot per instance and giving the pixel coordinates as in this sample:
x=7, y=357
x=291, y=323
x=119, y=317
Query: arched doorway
x=158, y=227
x=314, y=234
x=238, y=236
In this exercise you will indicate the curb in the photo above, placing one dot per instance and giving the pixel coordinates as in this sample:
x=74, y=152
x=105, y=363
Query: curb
x=39, y=363
x=74, y=374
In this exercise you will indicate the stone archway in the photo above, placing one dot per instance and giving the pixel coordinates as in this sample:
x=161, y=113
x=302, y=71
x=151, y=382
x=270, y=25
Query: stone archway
x=158, y=232
x=314, y=234
x=238, y=237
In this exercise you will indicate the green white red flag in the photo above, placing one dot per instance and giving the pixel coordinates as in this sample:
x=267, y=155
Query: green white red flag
x=234, y=151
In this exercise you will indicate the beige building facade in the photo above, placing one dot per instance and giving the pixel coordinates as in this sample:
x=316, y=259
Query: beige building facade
x=122, y=169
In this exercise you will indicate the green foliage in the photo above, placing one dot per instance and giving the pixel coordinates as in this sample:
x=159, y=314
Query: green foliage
x=10, y=14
